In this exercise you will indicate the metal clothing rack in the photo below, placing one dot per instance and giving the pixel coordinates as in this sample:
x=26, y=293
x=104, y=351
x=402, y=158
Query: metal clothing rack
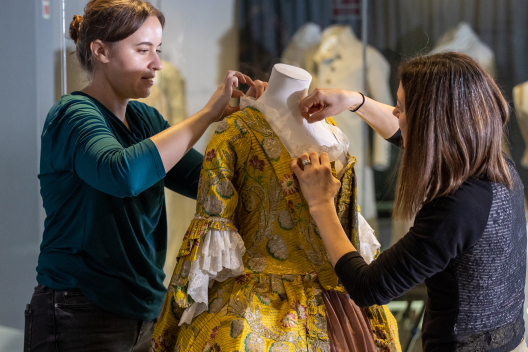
x=353, y=11
x=358, y=11
x=365, y=129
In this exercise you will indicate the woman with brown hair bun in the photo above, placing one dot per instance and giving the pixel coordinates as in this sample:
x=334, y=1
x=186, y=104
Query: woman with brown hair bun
x=468, y=241
x=105, y=161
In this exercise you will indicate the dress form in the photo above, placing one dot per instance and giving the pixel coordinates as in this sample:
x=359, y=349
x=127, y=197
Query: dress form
x=464, y=40
x=520, y=102
x=287, y=86
x=252, y=227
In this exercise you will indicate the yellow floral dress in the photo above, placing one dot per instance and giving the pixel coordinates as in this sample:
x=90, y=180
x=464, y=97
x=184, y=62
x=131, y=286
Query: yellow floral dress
x=274, y=303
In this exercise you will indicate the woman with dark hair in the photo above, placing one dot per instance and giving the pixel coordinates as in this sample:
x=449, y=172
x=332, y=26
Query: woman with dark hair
x=468, y=241
x=105, y=162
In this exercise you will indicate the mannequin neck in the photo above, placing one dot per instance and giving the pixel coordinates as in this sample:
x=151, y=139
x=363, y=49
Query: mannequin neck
x=287, y=86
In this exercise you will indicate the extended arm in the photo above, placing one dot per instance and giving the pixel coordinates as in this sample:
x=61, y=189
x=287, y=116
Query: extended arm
x=323, y=103
x=174, y=142
x=184, y=176
x=89, y=149
x=441, y=231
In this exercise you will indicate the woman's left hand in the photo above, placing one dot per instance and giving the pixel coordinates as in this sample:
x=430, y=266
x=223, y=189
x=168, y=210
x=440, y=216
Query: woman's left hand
x=318, y=185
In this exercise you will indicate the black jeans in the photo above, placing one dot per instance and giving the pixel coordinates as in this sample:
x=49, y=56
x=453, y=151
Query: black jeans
x=63, y=321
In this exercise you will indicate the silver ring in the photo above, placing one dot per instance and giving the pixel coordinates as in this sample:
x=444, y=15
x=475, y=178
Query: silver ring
x=306, y=162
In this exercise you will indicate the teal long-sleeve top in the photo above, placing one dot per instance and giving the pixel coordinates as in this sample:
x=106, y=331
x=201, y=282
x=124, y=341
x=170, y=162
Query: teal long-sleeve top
x=102, y=186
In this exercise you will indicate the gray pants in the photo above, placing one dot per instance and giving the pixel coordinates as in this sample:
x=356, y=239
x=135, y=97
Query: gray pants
x=63, y=321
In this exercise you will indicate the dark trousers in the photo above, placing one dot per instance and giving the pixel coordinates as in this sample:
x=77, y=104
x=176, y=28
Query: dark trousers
x=63, y=321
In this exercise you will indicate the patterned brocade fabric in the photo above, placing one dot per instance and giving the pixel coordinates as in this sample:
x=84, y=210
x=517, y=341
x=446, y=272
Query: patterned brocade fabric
x=247, y=186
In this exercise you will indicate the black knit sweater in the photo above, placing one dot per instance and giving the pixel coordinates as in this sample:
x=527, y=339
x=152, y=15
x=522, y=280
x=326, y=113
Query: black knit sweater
x=470, y=249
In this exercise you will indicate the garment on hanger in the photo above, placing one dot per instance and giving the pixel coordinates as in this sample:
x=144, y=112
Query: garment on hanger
x=337, y=62
x=252, y=268
x=464, y=40
x=167, y=95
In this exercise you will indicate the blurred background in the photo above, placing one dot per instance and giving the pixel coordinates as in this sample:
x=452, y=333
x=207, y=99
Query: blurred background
x=348, y=44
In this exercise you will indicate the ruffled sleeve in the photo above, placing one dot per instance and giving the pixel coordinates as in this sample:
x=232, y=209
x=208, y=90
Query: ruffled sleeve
x=212, y=248
x=219, y=257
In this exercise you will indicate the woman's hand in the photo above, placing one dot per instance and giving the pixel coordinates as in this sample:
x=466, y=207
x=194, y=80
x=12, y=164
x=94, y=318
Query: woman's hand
x=323, y=103
x=218, y=106
x=257, y=90
x=319, y=188
x=318, y=185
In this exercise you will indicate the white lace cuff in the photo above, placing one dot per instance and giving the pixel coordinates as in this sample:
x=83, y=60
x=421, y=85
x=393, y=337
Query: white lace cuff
x=219, y=257
x=369, y=244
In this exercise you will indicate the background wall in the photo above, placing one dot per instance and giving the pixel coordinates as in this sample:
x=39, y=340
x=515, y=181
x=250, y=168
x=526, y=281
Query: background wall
x=26, y=67
x=200, y=39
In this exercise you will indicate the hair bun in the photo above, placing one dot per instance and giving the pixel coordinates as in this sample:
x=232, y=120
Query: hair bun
x=75, y=28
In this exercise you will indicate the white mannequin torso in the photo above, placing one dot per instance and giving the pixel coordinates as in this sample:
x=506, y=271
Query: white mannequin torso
x=287, y=86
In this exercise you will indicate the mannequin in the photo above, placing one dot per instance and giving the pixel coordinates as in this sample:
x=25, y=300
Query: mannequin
x=463, y=39
x=520, y=102
x=336, y=62
x=252, y=272
x=287, y=86
x=305, y=38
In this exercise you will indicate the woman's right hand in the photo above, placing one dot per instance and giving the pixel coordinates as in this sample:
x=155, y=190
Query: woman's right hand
x=323, y=103
x=218, y=106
